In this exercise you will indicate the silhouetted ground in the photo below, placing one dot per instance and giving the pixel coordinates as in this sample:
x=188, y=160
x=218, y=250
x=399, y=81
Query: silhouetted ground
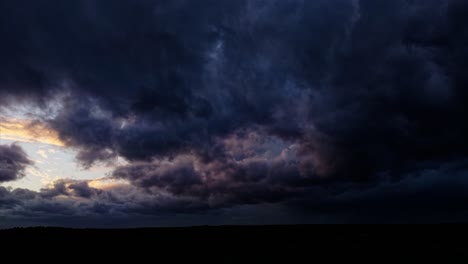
x=288, y=244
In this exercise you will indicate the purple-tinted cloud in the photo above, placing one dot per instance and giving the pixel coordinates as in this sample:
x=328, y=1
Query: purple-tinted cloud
x=13, y=163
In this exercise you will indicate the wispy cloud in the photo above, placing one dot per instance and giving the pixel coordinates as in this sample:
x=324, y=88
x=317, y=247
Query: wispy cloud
x=28, y=131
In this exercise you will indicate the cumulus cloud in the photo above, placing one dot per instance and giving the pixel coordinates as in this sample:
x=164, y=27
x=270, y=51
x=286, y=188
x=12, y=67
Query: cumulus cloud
x=13, y=163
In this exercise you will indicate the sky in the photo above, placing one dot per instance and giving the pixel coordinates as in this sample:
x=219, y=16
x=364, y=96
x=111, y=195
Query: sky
x=236, y=112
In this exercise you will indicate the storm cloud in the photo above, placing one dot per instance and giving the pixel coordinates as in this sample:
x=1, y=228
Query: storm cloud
x=218, y=104
x=13, y=163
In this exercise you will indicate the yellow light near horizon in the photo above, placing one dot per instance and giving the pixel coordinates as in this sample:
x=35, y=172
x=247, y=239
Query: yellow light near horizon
x=107, y=183
x=27, y=131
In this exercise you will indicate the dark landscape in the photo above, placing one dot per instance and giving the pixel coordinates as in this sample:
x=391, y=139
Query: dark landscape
x=446, y=243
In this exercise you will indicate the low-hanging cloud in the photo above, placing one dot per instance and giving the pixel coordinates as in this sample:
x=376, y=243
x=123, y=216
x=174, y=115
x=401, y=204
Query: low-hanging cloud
x=13, y=163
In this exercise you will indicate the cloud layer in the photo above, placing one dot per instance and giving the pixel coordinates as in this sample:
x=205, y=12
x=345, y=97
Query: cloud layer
x=218, y=104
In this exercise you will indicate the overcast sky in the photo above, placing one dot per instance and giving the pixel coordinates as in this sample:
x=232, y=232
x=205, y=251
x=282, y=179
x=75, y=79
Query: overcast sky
x=172, y=112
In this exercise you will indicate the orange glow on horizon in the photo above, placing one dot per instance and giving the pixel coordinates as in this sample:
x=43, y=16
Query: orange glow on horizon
x=27, y=131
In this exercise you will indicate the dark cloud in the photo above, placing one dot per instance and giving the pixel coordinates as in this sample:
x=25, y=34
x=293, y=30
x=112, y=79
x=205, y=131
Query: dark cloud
x=245, y=102
x=434, y=194
x=250, y=181
x=69, y=188
x=13, y=163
